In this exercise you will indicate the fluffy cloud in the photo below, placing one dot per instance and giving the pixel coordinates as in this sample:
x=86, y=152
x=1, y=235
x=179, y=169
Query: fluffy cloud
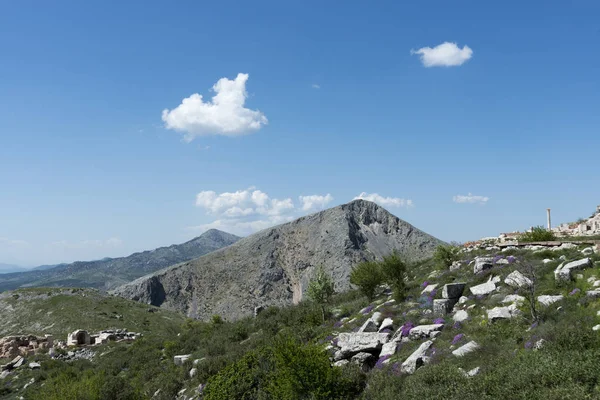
x=385, y=201
x=224, y=115
x=470, y=199
x=315, y=201
x=246, y=211
x=315, y=86
x=444, y=55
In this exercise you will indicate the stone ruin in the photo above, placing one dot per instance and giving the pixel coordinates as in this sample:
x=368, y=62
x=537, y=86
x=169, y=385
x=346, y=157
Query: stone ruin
x=81, y=337
x=27, y=345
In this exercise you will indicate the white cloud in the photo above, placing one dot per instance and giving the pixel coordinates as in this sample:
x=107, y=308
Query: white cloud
x=315, y=201
x=315, y=86
x=385, y=201
x=470, y=199
x=246, y=211
x=444, y=55
x=224, y=115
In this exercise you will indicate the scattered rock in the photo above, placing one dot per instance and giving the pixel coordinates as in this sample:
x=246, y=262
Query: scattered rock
x=353, y=343
x=470, y=373
x=181, y=359
x=429, y=288
x=34, y=365
x=594, y=294
x=4, y=374
x=369, y=326
x=366, y=361
x=455, y=266
x=514, y=298
x=483, y=263
x=442, y=306
x=596, y=328
x=424, y=331
x=546, y=260
x=453, y=290
x=546, y=300
x=517, y=280
x=564, y=272
x=466, y=349
x=498, y=313
x=387, y=323
x=341, y=363
x=416, y=359
x=463, y=300
x=483, y=289
x=193, y=372
x=539, y=344
x=460, y=316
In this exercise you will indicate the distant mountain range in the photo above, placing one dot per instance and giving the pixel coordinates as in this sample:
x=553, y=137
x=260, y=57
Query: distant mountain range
x=109, y=273
x=8, y=268
x=274, y=266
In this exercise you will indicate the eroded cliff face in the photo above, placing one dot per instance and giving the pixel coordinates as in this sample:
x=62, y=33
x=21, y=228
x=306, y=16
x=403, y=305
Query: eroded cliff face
x=274, y=266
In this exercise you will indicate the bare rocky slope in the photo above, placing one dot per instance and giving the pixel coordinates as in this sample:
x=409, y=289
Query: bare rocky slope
x=274, y=266
x=109, y=273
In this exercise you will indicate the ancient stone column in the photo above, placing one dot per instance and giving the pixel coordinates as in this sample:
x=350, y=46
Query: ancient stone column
x=549, y=222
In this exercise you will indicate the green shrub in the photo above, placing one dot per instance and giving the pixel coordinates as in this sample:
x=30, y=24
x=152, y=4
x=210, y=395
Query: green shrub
x=393, y=270
x=444, y=255
x=285, y=370
x=320, y=289
x=537, y=234
x=367, y=276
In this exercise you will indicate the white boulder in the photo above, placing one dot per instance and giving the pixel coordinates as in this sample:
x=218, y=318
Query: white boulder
x=416, y=359
x=466, y=349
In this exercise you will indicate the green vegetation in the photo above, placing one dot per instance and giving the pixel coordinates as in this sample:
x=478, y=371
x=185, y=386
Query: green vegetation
x=320, y=289
x=281, y=354
x=445, y=255
x=367, y=276
x=537, y=234
x=58, y=311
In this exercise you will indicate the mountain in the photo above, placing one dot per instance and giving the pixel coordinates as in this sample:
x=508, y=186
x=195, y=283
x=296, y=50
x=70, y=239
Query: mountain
x=274, y=266
x=112, y=272
x=8, y=268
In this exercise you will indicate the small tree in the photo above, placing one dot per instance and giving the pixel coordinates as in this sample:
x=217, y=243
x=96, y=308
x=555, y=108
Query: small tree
x=393, y=270
x=320, y=289
x=529, y=290
x=446, y=255
x=367, y=276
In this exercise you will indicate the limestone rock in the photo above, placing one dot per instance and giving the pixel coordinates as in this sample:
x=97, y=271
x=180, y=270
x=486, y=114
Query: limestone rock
x=455, y=266
x=453, y=290
x=547, y=300
x=416, y=359
x=368, y=326
x=181, y=359
x=341, y=363
x=387, y=323
x=34, y=365
x=429, y=288
x=424, y=331
x=442, y=307
x=482, y=263
x=471, y=373
x=460, y=316
x=514, y=298
x=483, y=289
x=463, y=300
x=390, y=348
x=365, y=361
x=498, y=313
x=193, y=372
x=594, y=294
x=564, y=272
x=517, y=280
x=353, y=343
x=466, y=349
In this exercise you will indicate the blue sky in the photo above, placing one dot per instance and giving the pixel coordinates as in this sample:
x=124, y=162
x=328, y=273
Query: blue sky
x=336, y=104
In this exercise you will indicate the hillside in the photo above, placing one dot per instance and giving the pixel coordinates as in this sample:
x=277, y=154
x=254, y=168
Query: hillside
x=58, y=311
x=9, y=268
x=111, y=272
x=274, y=266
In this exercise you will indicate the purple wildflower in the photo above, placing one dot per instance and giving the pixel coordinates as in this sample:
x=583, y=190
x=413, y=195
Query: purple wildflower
x=456, y=325
x=424, y=284
x=367, y=309
x=574, y=291
x=497, y=258
x=511, y=259
x=406, y=328
x=534, y=325
x=338, y=324
x=528, y=344
x=439, y=321
x=396, y=368
x=335, y=341
x=457, y=338
x=381, y=360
